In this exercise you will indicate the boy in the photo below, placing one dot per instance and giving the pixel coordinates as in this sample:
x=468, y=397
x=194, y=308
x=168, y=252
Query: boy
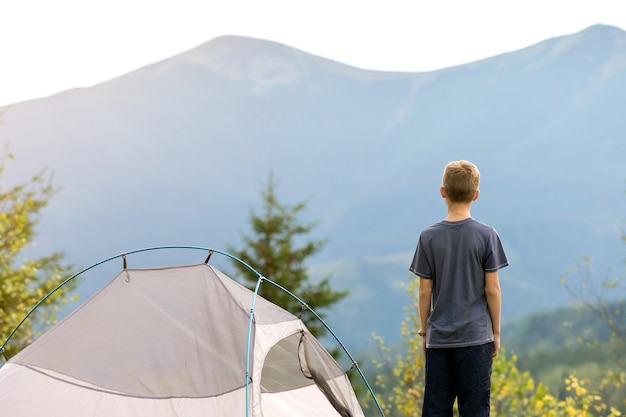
x=457, y=261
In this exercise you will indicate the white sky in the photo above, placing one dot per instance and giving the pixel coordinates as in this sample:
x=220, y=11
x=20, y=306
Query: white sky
x=47, y=46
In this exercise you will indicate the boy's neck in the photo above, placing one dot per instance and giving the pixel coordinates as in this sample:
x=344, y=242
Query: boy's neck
x=458, y=211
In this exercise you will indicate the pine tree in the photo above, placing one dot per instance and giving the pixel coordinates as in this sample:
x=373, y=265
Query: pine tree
x=272, y=250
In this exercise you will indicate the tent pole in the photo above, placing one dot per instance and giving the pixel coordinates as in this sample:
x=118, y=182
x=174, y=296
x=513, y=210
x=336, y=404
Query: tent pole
x=248, y=348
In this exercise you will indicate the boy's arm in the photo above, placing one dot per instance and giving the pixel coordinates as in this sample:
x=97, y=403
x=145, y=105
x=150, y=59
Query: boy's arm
x=494, y=303
x=423, y=305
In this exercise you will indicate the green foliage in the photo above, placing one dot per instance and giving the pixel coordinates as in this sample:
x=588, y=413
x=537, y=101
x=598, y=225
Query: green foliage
x=273, y=250
x=513, y=392
x=602, y=298
x=552, y=345
x=23, y=281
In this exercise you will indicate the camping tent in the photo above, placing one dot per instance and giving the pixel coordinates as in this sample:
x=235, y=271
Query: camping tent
x=176, y=341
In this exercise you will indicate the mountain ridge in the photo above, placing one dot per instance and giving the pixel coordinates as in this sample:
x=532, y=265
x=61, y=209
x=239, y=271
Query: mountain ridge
x=175, y=153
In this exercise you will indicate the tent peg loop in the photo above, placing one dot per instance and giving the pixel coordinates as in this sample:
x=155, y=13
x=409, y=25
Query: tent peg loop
x=303, y=307
x=125, y=267
x=4, y=354
x=206, y=261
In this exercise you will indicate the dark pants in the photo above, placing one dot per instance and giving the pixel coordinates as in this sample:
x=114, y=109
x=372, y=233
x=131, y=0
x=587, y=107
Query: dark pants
x=463, y=373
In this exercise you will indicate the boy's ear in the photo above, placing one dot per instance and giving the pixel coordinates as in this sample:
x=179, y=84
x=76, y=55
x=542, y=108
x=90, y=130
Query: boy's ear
x=476, y=195
x=442, y=191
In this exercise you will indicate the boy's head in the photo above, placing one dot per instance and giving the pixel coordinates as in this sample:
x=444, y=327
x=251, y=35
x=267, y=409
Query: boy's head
x=460, y=181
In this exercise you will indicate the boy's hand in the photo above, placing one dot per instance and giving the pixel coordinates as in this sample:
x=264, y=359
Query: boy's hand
x=496, y=345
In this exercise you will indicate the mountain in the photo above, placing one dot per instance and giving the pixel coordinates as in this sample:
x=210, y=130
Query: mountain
x=177, y=153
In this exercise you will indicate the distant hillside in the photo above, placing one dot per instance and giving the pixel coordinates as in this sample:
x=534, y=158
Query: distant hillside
x=552, y=345
x=176, y=153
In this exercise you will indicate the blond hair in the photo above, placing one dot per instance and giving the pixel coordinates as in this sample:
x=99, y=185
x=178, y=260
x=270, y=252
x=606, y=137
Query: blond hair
x=460, y=181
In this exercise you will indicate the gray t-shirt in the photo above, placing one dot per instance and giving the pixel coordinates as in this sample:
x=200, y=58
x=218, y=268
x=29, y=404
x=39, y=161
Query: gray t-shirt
x=456, y=255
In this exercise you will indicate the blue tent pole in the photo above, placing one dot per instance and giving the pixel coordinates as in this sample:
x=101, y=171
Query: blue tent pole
x=249, y=343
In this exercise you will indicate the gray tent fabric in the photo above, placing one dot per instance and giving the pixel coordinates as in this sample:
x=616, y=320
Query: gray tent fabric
x=317, y=364
x=173, y=342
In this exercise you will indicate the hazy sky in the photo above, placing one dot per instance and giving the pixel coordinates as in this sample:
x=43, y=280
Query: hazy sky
x=47, y=46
